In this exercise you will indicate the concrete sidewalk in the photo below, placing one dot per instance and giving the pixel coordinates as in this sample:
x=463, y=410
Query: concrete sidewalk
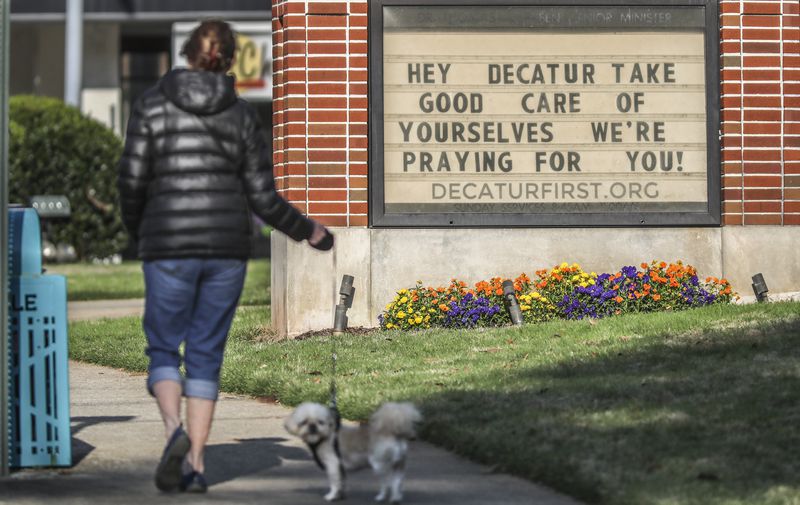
x=118, y=438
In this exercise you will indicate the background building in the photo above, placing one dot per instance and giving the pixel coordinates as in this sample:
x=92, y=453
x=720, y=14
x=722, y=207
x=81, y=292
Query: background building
x=127, y=46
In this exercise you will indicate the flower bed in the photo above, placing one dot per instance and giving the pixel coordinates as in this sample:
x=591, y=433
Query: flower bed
x=563, y=292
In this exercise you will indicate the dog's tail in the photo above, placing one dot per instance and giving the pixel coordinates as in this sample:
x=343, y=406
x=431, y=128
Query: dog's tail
x=397, y=419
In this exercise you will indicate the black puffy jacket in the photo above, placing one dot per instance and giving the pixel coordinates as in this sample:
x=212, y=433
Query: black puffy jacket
x=195, y=164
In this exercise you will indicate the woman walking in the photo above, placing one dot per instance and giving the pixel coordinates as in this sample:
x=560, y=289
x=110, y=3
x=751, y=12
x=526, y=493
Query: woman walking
x=195, y=165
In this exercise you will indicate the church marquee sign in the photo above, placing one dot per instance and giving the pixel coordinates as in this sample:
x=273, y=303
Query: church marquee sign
x=544, y=114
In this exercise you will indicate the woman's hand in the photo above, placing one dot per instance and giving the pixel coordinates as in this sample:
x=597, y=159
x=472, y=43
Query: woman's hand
x=320, y=238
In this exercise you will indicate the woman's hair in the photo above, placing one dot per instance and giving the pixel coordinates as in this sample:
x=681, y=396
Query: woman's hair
x=211, y=46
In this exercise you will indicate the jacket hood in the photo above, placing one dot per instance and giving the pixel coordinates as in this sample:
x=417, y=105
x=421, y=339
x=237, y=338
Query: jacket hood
x=199, y=92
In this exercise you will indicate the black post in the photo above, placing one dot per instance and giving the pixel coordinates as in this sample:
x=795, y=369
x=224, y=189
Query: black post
x=346, y=292
x=760, y=288
x=511, y=300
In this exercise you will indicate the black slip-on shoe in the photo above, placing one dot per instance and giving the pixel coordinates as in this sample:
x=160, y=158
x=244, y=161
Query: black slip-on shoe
x=194, y=482
x=168, y=472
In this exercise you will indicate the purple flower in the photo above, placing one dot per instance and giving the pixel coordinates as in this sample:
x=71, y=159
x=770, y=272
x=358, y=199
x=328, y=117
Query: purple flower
x=470, y=311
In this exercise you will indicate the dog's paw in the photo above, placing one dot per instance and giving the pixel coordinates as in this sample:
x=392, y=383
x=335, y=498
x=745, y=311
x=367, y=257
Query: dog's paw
x=334, y=495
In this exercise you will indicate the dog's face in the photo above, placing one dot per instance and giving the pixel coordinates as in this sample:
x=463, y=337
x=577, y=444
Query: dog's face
x=311, y=422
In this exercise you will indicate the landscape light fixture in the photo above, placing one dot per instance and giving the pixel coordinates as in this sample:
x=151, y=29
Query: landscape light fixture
x=346, y=292
x=760, y=287
x=513, y=306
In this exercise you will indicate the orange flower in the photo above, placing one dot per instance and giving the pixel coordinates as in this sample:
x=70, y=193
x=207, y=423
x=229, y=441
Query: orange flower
x=656, y=297
x=499, y=291
x=443, y=307
x=644, y=265
x=618, y=299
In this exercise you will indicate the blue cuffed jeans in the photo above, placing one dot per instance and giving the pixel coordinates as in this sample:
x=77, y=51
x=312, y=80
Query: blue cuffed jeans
x=190, y=301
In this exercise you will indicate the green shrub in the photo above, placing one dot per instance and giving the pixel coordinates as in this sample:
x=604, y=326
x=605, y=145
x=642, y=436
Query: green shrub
x=55, y=150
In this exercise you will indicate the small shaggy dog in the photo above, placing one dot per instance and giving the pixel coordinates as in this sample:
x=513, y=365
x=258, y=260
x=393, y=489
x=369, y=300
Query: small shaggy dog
x=382, y=443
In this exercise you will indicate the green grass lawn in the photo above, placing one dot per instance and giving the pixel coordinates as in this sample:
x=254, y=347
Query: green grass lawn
x=697, y=407
x=112, y=282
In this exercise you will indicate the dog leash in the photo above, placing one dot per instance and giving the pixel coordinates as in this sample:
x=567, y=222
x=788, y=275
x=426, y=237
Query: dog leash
x=333, y=405
x=334, y=408
x=337, y=417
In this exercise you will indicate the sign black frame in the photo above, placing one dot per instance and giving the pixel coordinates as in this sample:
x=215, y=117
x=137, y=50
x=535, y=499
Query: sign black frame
x=378, y=218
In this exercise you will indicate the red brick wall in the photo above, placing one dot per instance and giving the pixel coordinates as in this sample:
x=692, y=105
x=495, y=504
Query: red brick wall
x=320, y=109
x=760, y=55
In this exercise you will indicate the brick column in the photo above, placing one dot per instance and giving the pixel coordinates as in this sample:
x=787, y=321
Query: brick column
x=760, y=54
x=320, y=108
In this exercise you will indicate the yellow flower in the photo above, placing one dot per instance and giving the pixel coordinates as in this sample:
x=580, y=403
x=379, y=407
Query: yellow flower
x=401, y=315
x=583, y=284
x=418, y=319
x=593, y=274
x=575, y=266
x=411, y=321
x=524, y=307
x=576, y=278
x=536, y=294
x=402, y=291
x=389, y=306
x=564, y=265
x=404, y=299
x=427, y=318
